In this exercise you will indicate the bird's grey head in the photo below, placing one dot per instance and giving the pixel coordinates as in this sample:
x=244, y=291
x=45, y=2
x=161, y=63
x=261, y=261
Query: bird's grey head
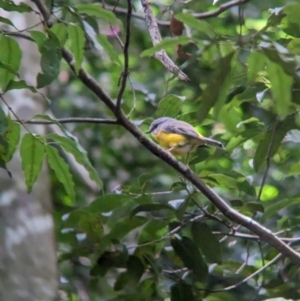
x=156, y=124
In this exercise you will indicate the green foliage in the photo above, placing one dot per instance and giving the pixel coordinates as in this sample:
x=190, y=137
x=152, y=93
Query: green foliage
x=145, y=233
x=32, y=151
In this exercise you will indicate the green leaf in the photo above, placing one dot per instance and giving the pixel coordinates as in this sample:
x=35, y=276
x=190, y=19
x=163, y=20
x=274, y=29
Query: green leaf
x=11, y=6
x=279, y=205
x=95, y=10
x=6, y=21
x=39, y=37
x=199, y=25
x=91, y=223
x=153, y=229
x=61, y=32
x=281, y=84
x=154, y=207
x=282, y=127
x=169, y=106
x=109, y=49
x=50, y=60
x=12, y=138
x=242, y=137
x=61, y=170
x=109, y=202
x=8, y=68
x=32, y=155
x=124, y=226
x=191, y=257
x=214, y=91
x=166, y=44
x=207, y=242
x=256, y=62
x=80, y=155
x=21, y=84
x=3, y=122
x=11, y=58
x=77, y=38
x=181, y=291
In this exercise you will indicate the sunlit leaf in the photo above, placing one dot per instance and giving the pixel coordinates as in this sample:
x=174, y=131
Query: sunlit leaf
x=61, y=170
x=10, y=59
x=96, y=10
x=32, y=151
x=77, y=38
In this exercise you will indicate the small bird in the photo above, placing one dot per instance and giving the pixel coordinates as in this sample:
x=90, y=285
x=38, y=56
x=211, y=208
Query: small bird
x=178, y=137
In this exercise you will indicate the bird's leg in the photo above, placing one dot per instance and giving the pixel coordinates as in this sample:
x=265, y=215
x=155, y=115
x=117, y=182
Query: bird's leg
x=170, y=149
x=187, y=159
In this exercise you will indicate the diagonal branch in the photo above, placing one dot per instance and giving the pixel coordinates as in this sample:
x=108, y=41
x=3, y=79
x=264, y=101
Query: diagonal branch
x=264, y=233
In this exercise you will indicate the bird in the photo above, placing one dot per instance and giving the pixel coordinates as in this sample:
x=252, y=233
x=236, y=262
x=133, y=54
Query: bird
x=178, y=137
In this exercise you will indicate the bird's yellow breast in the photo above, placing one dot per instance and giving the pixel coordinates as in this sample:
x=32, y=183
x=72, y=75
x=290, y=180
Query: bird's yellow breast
x=182, y=145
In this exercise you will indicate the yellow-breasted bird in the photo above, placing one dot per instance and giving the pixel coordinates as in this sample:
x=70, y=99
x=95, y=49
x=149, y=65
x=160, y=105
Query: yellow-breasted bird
x=178, y=137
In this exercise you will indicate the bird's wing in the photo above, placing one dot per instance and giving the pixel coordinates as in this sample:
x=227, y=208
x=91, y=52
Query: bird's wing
x=182, y=128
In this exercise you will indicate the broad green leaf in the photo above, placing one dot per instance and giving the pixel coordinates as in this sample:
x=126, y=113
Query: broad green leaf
x=109, y=49
x=12, y=138
x=207, y=242
x=166, y=44
x=108, y=202
x=39, y=37
x=191, y=257
x=8, y=68
x=123, y=226
x=77, y=38
x=279, y=205
x=199, y=25
x=3, y=122
x=50, y=60
x=269, y=192
x=169, y=106
x=154, y=207
x=135, y=268
x=61, y=170
x=121, y=281
x=181, y=291
x=95, y=10
x=281, y=128
x=255, y=207
x=91, y=223
x=214, y=91
x=61, y=32
x=256, y=63
x=10, y=57
x=281, y=84
x=21, y=84
x=7, y=21
x=80, y=155
x=32, y=151
x=11, y=6
x=153, y=229
x=242, y=137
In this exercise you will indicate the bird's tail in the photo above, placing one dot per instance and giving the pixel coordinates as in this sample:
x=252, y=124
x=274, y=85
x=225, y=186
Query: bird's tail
x=213, y=142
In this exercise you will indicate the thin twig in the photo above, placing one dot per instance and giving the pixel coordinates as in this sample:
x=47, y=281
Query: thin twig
x=71, y=120
x=268, y=158
x=228, y=288
x=126, y=56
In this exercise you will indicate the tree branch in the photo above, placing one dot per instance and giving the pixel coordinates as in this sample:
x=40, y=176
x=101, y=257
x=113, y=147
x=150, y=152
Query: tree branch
x=72, y=120
x=264, y=233
x=160, y=55
x=125, y=73
x=205, y=15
